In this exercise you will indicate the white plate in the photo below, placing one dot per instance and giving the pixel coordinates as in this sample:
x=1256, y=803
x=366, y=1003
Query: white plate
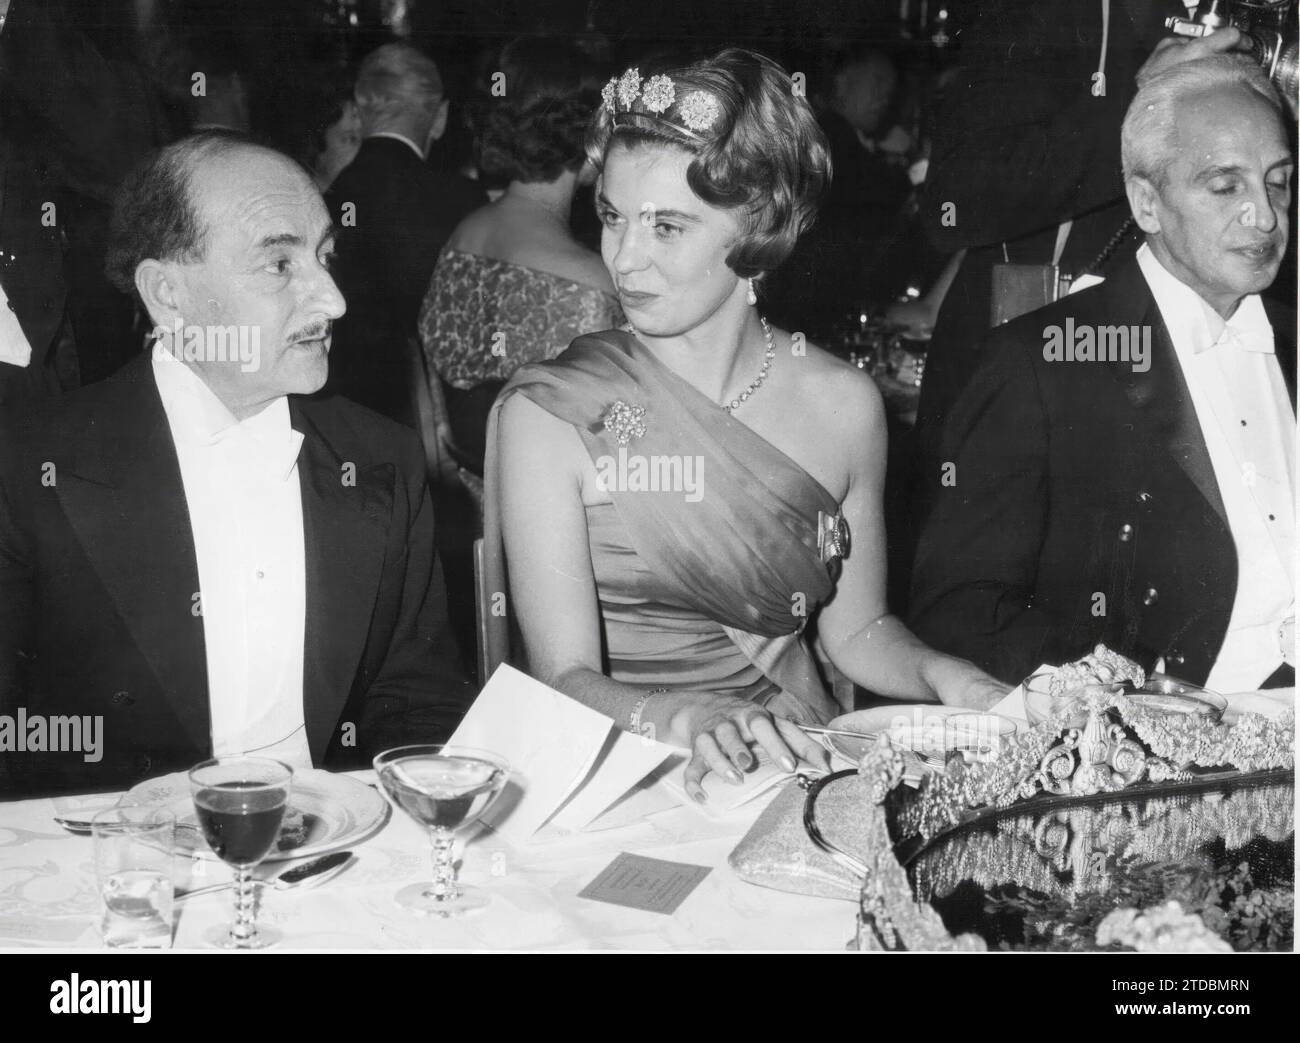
x=921, y=727
x=1270, y=704
x=327, y=812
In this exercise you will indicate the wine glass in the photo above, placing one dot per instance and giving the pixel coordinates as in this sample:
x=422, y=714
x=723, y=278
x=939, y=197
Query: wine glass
x=443, y=788
x=240, y=803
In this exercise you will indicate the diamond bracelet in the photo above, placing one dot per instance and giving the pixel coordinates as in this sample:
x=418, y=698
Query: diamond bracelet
x=634, y=723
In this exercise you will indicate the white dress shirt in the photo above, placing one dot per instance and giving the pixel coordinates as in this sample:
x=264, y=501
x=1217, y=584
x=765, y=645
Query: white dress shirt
x=1249, y=427
x=245, y=504
x=14, y=348
x=399, y=137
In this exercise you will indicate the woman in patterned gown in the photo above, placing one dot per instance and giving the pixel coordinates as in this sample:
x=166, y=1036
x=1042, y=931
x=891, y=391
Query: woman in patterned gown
x=513, y=285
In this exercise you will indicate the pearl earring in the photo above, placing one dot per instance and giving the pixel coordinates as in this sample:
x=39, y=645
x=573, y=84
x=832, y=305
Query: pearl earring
x=753, y=294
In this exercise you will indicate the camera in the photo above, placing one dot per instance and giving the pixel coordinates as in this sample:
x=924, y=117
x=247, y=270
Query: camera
x=1269, y=27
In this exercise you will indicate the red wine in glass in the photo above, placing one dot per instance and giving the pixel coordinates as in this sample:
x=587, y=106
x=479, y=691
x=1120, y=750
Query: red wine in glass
x=240, y=804
x=240, y=822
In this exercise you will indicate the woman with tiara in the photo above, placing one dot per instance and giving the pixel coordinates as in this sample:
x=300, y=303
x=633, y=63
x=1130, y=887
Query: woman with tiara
x=675, y=498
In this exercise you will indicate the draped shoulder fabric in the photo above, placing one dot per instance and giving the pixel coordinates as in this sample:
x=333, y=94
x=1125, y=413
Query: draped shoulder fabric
x=707, y=562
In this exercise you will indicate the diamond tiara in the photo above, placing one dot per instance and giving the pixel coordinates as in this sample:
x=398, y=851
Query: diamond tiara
x=628, y=99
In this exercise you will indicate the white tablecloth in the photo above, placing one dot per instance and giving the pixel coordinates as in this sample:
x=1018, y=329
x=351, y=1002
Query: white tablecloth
x=48, y=898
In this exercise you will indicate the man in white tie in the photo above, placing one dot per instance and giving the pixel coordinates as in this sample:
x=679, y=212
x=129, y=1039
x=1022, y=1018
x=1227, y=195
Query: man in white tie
x=192, y=552
x=1138, y=487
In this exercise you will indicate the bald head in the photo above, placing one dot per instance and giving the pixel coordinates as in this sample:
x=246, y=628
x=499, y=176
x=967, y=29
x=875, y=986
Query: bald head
x=154, y=215
x=238, y=181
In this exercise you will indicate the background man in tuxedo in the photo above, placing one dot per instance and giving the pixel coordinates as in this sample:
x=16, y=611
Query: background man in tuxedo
x=73, y=123
x=1148, y=508
x=394, y=212
x=191, y=550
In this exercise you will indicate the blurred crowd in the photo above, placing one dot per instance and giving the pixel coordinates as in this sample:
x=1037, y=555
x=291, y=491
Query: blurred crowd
x=86, y=95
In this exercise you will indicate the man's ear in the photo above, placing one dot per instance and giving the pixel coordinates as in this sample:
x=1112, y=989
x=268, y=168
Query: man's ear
x=1143, y=201
x=156, y=285
x=440, y=120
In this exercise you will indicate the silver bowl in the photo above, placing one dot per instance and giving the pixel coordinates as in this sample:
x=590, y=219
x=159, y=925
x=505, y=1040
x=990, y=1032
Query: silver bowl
x=1161, y=694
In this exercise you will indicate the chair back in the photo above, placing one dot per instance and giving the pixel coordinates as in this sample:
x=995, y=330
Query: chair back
x=426, y=412
x=493, y=626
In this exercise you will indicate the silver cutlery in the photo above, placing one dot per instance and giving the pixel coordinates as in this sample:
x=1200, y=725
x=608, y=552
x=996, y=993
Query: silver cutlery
x=82, y=826
x=314, y=871
x=814, y=730
x=954, y=748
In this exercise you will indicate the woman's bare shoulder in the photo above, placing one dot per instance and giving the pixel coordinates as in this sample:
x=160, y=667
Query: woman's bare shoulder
x=836, y=385
x=539, y=450
x=568, y=260
x=523, y=421
x=838, y=409
x=475, y=231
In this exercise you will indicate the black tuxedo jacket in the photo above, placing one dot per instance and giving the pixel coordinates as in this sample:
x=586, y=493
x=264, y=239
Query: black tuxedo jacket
x=72, y=125
x=1082, y=505
x=31, y=265
x=98, y=588
x=401, y=214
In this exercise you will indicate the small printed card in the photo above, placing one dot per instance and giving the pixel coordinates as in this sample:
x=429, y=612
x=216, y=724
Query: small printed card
x=651, y=884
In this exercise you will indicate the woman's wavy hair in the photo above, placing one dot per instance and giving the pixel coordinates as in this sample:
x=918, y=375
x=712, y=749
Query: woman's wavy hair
x=765, y=152
x=534, y=131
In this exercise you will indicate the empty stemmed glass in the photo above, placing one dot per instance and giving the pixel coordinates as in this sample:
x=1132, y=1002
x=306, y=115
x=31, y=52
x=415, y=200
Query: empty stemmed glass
x=240, y=802
x=444, y=789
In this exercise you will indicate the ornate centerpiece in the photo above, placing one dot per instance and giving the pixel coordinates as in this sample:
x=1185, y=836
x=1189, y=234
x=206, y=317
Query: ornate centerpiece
x=1083, y=830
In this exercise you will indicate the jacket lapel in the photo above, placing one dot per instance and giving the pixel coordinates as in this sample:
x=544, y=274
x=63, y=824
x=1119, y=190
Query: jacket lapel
x=346, y=510
x=1160, y=395
x=1283, y=321
x=123, y=497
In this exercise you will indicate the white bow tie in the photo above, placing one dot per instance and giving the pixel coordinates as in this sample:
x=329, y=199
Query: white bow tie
x=268, y=452
x=1243, y=340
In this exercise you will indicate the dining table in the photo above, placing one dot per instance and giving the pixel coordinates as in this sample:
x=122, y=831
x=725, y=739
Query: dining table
x=49, y=900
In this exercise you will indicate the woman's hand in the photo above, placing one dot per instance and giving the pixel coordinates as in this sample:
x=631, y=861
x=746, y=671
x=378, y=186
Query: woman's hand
x=960, y=683
x=720, y=730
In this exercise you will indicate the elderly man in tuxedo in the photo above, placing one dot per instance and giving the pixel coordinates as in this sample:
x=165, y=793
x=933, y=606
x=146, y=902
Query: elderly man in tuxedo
x=1121, y=468
x=395, y=212
x=193, y=553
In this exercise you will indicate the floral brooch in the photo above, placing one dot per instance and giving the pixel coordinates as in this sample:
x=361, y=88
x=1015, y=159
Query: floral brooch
x=625, y=422
x=698, y=110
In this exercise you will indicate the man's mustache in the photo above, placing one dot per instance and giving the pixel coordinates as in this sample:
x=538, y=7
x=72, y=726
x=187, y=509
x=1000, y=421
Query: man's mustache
x=315, y=331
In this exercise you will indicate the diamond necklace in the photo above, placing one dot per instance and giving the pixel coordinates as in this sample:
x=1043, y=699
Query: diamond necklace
x=757, y=382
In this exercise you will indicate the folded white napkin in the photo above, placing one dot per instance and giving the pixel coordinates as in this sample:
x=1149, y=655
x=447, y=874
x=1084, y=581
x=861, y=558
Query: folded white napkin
x=568, y=762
